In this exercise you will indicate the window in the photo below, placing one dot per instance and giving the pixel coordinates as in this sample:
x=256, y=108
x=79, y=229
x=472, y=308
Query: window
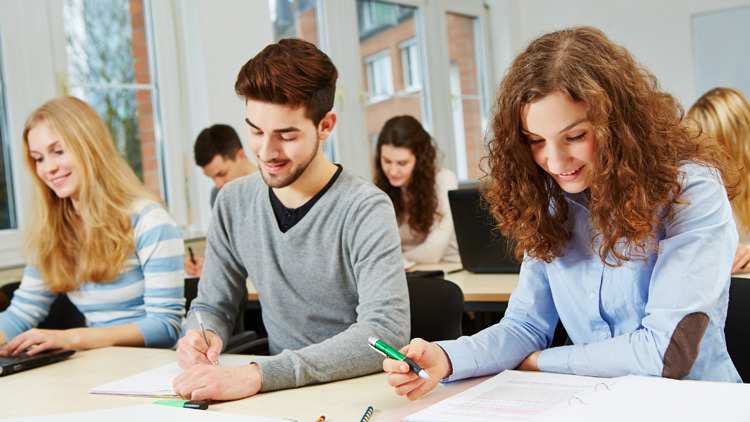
x=468, y=97
x=294, y=19
x=109, y=66
x=299, y=19
x=7, y=199
x=394, y=89
x=379, y=76
x=410, y=64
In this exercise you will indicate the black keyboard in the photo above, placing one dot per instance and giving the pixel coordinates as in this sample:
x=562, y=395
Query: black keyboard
x=21, y=362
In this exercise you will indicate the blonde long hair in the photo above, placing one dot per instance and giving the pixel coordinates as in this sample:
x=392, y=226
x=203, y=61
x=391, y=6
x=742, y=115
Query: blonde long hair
x=724, y=114
x=91, y=241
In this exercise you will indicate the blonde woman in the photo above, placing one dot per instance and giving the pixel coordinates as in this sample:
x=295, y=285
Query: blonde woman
x=724, y=114
x=97, y=235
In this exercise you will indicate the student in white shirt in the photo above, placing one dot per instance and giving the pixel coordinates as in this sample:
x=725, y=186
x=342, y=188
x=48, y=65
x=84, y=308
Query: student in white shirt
x=406, y=169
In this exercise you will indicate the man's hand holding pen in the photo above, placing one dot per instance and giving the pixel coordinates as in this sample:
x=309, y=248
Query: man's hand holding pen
x=203, y=382
x=192, y=348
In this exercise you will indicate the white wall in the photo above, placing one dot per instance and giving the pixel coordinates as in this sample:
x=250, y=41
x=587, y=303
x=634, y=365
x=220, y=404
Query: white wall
x=657, y=32
x=215, y=38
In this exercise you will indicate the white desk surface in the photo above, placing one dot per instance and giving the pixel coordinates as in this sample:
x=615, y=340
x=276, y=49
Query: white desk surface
x=63, y=387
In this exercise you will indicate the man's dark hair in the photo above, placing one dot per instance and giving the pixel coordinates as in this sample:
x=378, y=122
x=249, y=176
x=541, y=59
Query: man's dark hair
x=292, y=72
x=216, y=140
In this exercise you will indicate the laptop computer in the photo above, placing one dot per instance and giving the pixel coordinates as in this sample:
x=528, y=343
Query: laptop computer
x=482, y=249
x=12, y=364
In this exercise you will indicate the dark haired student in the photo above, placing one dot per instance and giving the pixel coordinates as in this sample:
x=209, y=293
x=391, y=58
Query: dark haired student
x=324, y=253
x=406, y=169
x=218, y=151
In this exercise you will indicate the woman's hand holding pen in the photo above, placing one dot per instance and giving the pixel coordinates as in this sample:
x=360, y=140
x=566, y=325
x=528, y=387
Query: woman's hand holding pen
x=192, y=348
x=430, y=357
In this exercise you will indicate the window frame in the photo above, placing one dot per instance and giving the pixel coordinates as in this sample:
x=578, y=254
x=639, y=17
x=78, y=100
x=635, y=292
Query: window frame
x=412, y=74
x=40, y=77
x=379, y=75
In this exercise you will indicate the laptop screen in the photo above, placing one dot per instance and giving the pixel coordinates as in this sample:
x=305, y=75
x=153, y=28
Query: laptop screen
x=482, y=248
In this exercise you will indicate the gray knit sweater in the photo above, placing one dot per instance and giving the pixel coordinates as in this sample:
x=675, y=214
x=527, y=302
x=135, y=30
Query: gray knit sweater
x=326, y=285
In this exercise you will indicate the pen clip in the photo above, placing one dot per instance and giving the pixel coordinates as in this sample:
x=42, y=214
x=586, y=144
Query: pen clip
x=376, y=349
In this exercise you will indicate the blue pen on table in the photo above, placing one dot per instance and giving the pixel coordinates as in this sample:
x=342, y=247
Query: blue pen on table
x=367, y=414
x=203, y=329
x=392, y=353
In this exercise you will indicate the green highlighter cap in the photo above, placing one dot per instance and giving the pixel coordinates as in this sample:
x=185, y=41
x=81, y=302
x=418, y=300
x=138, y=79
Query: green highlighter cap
x=188, y=404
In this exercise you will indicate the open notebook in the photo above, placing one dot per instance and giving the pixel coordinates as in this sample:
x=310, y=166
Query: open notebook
x=22, y=362
x=157, y=382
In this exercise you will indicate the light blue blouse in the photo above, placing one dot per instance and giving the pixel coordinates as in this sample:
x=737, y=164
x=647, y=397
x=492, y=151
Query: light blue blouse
x=622, y=320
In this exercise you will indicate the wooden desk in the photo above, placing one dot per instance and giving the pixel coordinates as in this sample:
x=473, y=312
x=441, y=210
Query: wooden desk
x=482, y=292
x=63, y=387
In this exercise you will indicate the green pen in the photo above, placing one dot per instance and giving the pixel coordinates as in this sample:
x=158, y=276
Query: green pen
x=392, y=353
x=188, y=404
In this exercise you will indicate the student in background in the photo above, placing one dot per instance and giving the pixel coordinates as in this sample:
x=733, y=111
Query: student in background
x=724, y=114
x=622, y=215
x=218, y=151
x=406, y=169
x=96, y=235
x=320, y=245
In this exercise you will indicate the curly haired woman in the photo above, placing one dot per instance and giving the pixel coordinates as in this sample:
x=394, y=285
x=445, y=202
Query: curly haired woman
x=406, y=170
x=622, y=214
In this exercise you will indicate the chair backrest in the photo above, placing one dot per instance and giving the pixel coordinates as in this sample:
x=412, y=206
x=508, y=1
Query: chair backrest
x=242, y=341
x=737, y=327
x=62, y=313
x=437, y=307
x=191, y=292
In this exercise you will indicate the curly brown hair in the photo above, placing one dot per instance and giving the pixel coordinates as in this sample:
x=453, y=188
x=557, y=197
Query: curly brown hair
x=641, y=142
x=420, y=211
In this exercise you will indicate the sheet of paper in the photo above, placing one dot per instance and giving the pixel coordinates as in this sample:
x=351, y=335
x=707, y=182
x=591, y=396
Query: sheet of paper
x=158, y=381
x=149, y=412
x=639, y=398
x=510, y=395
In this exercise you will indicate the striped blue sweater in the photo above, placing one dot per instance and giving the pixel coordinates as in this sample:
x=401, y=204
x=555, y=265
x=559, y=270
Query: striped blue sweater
x=148, y=292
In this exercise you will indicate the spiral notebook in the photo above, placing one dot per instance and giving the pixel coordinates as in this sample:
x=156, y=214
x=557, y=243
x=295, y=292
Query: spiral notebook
x=540, y=396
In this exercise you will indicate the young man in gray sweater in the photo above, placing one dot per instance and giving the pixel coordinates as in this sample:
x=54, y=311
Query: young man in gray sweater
x=320, y=245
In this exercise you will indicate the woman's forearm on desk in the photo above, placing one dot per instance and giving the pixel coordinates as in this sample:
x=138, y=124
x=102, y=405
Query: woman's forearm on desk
x=75, y=338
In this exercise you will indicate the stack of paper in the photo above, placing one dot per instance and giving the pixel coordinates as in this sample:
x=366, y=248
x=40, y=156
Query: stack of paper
x=539, y=396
